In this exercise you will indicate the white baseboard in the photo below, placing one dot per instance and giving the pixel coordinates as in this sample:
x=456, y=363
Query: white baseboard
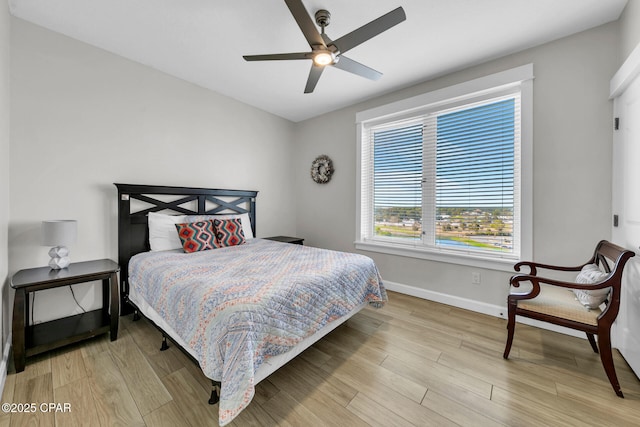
x=477, y=306
x=4, y=365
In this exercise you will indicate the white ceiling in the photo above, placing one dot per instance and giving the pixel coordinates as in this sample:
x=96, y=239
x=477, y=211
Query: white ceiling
x=202, y=41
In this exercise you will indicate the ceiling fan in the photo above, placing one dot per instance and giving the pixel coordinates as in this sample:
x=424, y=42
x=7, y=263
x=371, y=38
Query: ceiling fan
x=327, y=52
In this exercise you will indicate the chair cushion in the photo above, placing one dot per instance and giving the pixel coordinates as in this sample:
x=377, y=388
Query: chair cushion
x=560, y=302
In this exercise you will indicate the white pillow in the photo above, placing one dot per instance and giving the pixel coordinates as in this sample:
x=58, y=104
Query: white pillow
x=589, y=275
x=163, y=235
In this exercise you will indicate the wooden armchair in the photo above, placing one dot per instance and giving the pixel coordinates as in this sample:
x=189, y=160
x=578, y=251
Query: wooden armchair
x=552, y=301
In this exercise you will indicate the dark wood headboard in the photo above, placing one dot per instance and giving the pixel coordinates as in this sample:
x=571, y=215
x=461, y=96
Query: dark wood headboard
x=133, y=230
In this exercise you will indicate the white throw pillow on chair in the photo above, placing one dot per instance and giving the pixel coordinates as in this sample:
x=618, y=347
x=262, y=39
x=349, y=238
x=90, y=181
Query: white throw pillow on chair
x=589, y=275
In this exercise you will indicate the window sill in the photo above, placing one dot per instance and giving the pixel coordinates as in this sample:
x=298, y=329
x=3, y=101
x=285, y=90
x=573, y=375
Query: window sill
x=472, y=260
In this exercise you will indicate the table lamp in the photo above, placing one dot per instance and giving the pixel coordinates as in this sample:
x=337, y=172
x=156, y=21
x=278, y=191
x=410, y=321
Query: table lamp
x=59, y=233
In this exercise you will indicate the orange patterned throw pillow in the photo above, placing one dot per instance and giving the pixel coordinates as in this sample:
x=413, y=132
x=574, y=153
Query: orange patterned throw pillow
x=197, y=236
x=229, y=232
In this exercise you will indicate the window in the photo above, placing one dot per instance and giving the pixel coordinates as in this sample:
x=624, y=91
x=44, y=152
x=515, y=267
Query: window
x=446, y=177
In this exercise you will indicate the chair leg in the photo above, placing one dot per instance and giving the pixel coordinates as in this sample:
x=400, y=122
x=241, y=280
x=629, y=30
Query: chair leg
x=592, y=341
x=604, y=341
x=511, y=326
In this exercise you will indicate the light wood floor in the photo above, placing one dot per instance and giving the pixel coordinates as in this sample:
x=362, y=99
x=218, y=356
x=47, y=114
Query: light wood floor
x=412, y=363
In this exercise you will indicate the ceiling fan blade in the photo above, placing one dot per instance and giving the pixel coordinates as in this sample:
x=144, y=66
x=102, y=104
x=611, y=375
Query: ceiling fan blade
x=314, y=76
x=355, y=67
x=305, y=23
x=372, y=29
x=277, y=56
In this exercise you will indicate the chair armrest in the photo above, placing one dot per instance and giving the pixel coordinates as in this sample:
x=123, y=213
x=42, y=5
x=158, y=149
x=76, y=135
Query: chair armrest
x=533, y=267
x=537, y=280
x=515, y=282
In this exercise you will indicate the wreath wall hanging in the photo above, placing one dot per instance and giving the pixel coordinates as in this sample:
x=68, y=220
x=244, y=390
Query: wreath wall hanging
x=321, y=169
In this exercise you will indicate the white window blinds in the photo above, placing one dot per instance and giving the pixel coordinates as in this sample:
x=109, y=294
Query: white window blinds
x=475, y=176
x=397, y=183
x=446, y=179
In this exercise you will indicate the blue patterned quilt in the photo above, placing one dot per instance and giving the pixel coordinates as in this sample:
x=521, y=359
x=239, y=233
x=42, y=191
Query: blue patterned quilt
x=239, y=305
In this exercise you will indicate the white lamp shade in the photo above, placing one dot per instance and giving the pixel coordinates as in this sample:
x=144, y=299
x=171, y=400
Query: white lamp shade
x=59, y=232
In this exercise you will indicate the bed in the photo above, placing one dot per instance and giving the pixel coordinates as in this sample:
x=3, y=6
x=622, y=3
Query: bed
x=239, y=311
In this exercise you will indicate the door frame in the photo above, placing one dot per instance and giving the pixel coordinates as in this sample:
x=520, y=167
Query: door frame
x=627, y=74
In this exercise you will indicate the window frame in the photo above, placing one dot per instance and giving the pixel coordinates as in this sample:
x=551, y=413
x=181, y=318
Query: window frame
x=518, y=79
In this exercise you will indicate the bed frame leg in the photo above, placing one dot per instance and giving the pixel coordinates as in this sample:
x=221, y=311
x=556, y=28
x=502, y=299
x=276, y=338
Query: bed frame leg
x=136, y=316
x=164, y=346
x=215, y=392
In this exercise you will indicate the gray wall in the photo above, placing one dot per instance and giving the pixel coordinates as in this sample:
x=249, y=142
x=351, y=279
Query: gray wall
x=629, y=29
x=83, y=118
x=4, y=171
x=571, y=165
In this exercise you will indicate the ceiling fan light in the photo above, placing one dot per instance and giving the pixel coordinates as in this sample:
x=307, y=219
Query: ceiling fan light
x=323, y=58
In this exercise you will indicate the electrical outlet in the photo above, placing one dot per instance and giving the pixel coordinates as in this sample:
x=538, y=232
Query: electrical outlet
x=475, y=278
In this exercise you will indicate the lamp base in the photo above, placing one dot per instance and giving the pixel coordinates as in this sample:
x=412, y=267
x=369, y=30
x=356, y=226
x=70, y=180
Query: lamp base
x=59, y=257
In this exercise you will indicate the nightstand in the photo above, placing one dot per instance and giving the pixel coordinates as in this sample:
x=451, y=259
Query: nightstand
x=287, y=239
x=29, y=340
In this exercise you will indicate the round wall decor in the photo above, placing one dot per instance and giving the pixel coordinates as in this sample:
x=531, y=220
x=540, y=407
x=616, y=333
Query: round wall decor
x=321, y=169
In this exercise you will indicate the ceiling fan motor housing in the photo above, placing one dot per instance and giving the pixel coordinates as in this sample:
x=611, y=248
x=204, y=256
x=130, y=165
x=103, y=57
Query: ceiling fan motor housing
x=323, y=18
